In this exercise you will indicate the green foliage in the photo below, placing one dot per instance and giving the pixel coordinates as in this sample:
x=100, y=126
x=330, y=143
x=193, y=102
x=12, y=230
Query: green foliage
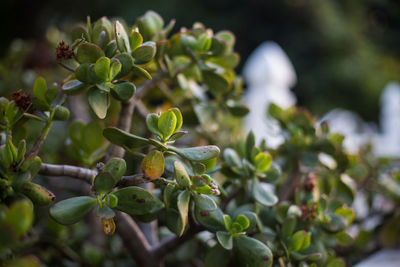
x=261, y=206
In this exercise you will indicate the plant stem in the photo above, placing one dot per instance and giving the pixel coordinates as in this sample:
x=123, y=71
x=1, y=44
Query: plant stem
x=35, y=149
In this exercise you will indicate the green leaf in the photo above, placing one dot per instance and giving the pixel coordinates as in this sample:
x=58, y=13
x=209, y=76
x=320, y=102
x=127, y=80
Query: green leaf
x=136, y=201
x=204, y=202
x=136, y=40
x=250, y=143
x=149, y=24
x=288, y=227
x=183, y=207
x=179, y=118
x=299, y=241
x=99, y=102
x=115, y=68
x=38, y=194
x=141, y=72
x=102, y=68
x=181, y=176
x=168, y=195
x=346, y=213
x=243, y=221
x=50, y=95
x=123, y=91
x=32, y=164
x=104, y=182
x=225, y=240
x=91, y=137
x=61, y=113
x=263, y=196
x=40, y=88
x=111, y=48
x=167, y=123
x=20, y=217
x=88, y=53
x=145, y=52
x=127, y=63
x=153, y=164
x=72, y=210
x=75, y=132
x=232, y=158
x=201, y=153
x=335, y=224
x=215, y=82
x=152, y=124
x=112, y=201
x=262, y=161
x=344, y=239
x=74, y=87
x=122, y=37
x=336, y=262
x=117, y=167
x=227, y=222
x=174, y=221
x=227, y=61
x=124, y=139
x=251, y=252
x=238, y=110
x=217, y=257
x=211, y=220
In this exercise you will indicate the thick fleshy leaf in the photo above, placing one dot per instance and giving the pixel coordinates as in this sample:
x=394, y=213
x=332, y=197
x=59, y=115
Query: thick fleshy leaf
x=91, y=137
x=145, y=52
x=122, y=37
x=74, y=87
x=88, y=53
x=61, y=113
x=243, y=221
x=288, y=227
x=105, y=212
x=261, y=195
x=115, y=68
x=72, y=210
x=136, y=201
x=181, y=175
x=262, y=161
x=108, y=225
x=136, y=40
x=174, y=221
x=183, y=208
x=152, y=124
x=299, y=241
x=229, y=61
x=20, y=217
x=117, y=167
x=201, y=153
x=251, y=252
x=225, y=240
x=211, y=220
x=250, y=143
x=124, y=139
x=40, y=88
x=102, y=68
x=104, y=182
x=232, y=158
x=99, y=102
x=38, y=194
x=127, y=63
x=204, y=202
x=141, y=72
x=153, y=164
x=179, y=118
x=123, y=91
x=344, y=239
x=167, y=123
x=149, y=24
x=217, y=257
x=336, y=224
x=215, y=82
x=111, y=49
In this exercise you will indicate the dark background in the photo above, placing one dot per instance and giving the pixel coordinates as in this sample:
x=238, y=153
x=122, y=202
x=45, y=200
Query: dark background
x=344, y=51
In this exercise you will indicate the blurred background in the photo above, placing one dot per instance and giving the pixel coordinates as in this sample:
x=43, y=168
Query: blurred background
x=344, y=51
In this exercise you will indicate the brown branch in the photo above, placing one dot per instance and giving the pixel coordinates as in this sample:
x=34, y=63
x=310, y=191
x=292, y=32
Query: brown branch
x=87, y=175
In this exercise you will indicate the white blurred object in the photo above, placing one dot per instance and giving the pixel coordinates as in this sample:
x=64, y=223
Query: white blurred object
x=357, y=132
x=269, y=75
x=384, y=258
x=388, y=143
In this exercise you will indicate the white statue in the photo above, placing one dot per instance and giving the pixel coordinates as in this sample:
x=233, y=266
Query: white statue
x=269, y=75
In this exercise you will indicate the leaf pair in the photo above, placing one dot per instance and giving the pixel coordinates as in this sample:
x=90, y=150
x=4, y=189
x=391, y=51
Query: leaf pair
x=166, y=125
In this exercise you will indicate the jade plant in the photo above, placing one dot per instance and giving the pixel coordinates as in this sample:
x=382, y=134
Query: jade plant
x=176, y=181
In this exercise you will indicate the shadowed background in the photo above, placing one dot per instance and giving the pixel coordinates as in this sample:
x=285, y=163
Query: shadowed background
x=344, y=51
